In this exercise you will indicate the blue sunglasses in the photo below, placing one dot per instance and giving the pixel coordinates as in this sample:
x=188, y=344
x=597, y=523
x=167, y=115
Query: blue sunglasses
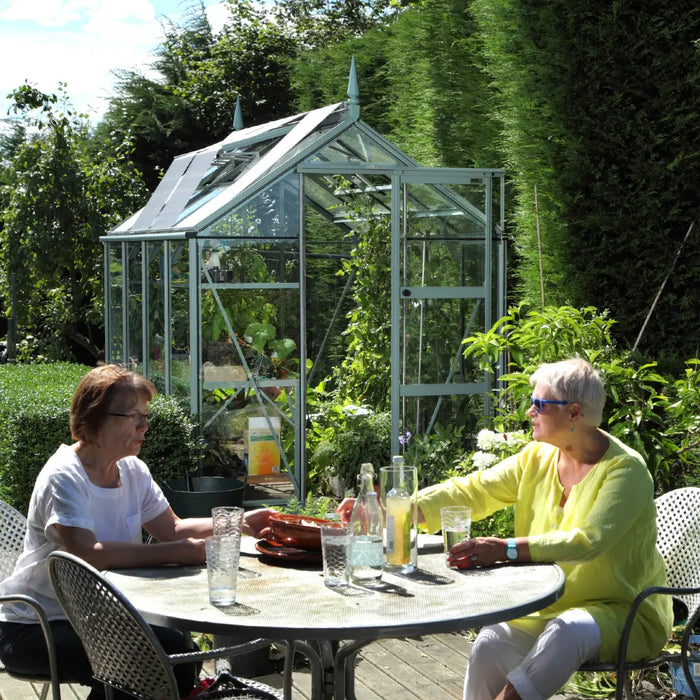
x=541, y=404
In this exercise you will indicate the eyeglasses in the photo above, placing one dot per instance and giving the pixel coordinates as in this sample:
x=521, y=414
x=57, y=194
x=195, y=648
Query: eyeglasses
x=136, y=417
x=541, y=404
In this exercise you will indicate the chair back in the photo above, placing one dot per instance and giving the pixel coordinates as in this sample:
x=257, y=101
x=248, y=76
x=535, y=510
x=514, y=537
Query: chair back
x=13, y=527
x=123, y=650
x=678, y=523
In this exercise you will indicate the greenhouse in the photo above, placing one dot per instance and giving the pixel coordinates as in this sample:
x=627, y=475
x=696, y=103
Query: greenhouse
x=230, y=287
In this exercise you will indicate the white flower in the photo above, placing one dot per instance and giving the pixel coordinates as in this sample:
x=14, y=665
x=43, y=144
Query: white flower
x=483, y=460
x=485, y=439
x=490, y=441
x=516, y=438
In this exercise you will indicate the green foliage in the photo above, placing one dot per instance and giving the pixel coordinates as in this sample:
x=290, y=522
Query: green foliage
x=597, y=109
x=364, y=376
x=173, y=447
x=59, y=197
x=202, y=73
x=343, y=436
x=594, y=104
x=35, y=420
x=437, y=456
x=649, y=410
x=314, y=506
x=422, y=83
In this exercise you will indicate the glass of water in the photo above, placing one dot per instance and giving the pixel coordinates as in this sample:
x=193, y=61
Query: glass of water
x=456, y=526
x=223, y=553
x=335, y=544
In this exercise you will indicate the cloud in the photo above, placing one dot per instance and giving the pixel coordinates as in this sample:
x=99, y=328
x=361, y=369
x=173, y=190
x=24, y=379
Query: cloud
x=80, y=43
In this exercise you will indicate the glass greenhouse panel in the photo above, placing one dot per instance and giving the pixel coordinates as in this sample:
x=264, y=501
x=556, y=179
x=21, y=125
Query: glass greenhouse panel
x=328, y=302
x=115, y=291
x=433, y=334
x=273, y=213
x=156, y=314
x=232, y=419
x=436, y=211
x=355, y=146
x=250, y=262
x=444, y=263
x=180, y=352
x=249, y=332
x=432, y=419
x=134, y=276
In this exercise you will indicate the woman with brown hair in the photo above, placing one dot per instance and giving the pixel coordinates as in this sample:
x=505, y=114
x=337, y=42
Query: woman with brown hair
x=92, y=499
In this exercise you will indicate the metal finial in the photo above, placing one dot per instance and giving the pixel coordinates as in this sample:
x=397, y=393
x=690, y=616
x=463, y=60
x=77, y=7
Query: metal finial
x=353, y=93
x=238, y=116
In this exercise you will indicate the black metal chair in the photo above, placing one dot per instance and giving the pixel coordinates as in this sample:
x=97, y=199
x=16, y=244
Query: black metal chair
x=678, y=523
x=123, y=650
x=13, y=526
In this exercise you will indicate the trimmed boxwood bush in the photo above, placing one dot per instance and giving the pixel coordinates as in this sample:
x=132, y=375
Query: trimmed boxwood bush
x=34, y=421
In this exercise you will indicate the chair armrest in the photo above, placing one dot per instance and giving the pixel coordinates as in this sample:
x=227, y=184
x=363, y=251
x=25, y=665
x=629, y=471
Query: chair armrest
x=48, y=636
x=219, y=652
x=629, y=621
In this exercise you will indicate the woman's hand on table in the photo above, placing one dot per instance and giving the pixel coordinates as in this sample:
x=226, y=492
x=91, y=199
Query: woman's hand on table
x=486, y=551
x=478, y=551
x=256, y=523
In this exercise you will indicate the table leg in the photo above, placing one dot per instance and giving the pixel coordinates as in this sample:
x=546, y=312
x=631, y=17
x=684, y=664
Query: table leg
x=345, y=668
x=288, y=668
x=318, y=690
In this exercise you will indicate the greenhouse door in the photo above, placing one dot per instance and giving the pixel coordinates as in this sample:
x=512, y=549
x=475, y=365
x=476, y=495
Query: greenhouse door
x=447, y=282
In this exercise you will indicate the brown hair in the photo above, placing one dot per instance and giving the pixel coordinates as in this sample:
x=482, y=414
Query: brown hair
x=94, y=394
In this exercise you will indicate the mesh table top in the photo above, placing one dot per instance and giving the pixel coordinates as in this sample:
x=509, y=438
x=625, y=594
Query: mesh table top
x=291, y=601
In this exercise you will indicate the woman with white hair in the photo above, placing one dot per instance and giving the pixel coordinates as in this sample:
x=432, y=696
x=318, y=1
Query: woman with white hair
x=584, y=500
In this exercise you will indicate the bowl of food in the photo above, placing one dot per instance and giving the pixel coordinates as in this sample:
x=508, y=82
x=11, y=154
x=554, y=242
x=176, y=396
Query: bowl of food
x=300, y=531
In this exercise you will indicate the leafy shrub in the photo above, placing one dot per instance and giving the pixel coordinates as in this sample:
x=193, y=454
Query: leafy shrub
x=173, y=447
x=35, y=420
x=342, y=437
x=648, y=409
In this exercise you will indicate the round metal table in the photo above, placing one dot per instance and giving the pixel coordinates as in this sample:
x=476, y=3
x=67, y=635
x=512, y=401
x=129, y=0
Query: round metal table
x=290, y=602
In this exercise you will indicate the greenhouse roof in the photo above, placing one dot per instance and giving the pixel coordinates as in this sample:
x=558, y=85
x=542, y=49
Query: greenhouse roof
x=200, y=187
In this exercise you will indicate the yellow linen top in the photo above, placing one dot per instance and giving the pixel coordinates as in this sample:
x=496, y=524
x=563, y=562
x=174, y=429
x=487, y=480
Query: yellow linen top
x=604, y=538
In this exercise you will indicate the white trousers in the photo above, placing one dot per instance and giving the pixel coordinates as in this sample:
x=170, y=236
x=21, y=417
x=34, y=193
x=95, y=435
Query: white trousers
x=537, y=667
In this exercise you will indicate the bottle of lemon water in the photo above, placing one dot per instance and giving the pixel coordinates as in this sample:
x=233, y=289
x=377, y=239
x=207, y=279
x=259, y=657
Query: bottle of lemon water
x=399, y=482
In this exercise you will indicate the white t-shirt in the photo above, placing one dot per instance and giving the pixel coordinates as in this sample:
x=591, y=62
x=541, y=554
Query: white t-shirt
x=64, y=495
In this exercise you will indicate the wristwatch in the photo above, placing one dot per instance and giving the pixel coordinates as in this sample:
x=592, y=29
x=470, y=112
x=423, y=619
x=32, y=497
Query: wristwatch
x=511, y=550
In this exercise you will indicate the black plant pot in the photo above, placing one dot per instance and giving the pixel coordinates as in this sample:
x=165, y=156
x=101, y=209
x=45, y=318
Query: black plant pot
x=194, y=497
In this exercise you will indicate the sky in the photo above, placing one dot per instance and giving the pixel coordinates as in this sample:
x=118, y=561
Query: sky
x=79, y=43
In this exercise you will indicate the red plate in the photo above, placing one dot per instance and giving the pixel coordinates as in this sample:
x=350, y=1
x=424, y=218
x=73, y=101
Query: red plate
x=270, y=548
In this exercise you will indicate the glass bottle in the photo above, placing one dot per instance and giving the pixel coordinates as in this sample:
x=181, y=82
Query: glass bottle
x=366, y=549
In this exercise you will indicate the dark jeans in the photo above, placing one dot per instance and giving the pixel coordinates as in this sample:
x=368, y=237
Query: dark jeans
x=23, y=650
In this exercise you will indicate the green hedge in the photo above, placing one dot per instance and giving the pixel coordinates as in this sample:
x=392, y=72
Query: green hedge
x=594, y=103
x=34, y=421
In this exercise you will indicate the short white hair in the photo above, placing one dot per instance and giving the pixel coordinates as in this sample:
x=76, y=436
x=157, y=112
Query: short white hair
x=577, y=381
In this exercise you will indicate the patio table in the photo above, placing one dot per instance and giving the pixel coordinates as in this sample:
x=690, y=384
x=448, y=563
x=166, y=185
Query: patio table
x=290, y=603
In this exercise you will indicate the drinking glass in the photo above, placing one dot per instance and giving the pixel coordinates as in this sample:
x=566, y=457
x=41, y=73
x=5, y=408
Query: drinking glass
x=456, y=526
x=227, y=520
x=223, y=553
x=335, y=544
